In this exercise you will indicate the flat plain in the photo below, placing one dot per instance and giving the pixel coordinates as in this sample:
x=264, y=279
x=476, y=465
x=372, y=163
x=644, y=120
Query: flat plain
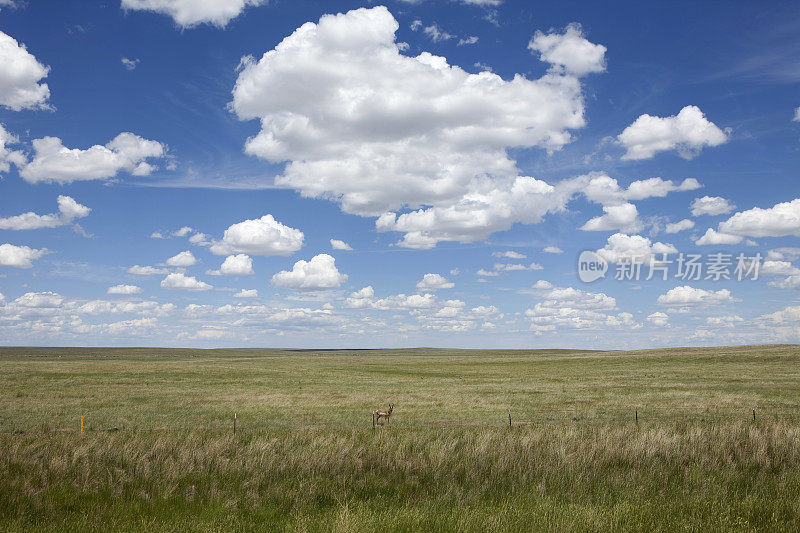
x=158, y=450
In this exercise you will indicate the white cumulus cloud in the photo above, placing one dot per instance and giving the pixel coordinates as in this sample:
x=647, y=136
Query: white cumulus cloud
x=623, y=217
x=7, y=155
x=53, y=162
x=235, y=265
x=570, y=50
x=178, y=280
x=68, y=211
x=682, y=225
x=18, y=256
x=124, y=289
x=712, y=237
x=658, y=319
x=634, y=248
x=246, y=293
x=434, y=282
x=20, y=76
x=317, y=274
x=363, y=124
x=189, y=13
x=688, y=296
x=687, y=132
x=137, y=270
x=183, y=259
x=711, y=205
x=261, y=236
x=336, y=244
x=779, y=220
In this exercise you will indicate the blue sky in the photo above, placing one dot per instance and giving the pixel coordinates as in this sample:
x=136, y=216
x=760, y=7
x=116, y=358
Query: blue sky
x=442, y=141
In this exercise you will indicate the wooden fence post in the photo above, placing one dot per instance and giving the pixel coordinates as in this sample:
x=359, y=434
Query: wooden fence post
x=509, y=418
x=637, y=415
x=754, y=415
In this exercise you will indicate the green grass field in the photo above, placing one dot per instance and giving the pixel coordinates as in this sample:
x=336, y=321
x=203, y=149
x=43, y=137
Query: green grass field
x=158, y=451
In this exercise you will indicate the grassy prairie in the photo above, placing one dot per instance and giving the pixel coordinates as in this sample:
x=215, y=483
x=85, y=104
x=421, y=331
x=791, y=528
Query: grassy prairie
x=306, y=458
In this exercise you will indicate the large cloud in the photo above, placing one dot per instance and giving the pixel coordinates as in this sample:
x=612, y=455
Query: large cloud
x=687, y=132
x=188, y=13
x=54, y=162
x=20, y=74
x=377, y=131
x=780, y=220
x=317, y=274
x=68, y=211
x=777, y=221
x=620, y=214
x=18, y=256
x=262, y=236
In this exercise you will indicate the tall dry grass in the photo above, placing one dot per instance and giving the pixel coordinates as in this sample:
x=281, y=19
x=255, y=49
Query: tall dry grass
x=742, y=476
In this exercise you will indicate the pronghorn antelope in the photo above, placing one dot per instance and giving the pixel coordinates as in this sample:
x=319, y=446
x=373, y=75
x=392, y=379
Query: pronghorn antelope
x=384, y=413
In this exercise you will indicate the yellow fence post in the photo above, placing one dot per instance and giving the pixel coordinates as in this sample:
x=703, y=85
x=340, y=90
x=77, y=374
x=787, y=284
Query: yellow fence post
x=81, y=425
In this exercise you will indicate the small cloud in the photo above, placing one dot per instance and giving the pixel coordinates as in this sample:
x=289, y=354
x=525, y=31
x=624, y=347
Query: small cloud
x=510, y=254
x=183, y=232
x=679, y=226
x=553, y=250
x=130, y=64
x=436, y=33
x=178, y=280
x=246, y=293
x=336, y=244
x=183, y=259
x=137, y=270
x=124, y=289
x=434, y=282
x=234, y=265
x=472, y=39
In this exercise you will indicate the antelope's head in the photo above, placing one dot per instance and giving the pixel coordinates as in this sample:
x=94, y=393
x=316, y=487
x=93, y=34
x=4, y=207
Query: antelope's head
x=391, y=406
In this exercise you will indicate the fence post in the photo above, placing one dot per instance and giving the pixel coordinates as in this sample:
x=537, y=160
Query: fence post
x=234, y=423
x=81, y=426
x=637, y=415
x=509, y=418
x=754, y=415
